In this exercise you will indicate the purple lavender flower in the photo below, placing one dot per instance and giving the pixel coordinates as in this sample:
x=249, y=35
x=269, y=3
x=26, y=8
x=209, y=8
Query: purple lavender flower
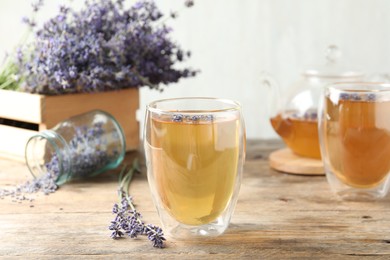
x=189, y=3
x=37, y=5
x=177, y=118
x=355, y=96
x=192, y=118
x=103, y=46
x=127, y=219
x=344, y=96
x=371, y=97
x=116, y=230
x=86, y=152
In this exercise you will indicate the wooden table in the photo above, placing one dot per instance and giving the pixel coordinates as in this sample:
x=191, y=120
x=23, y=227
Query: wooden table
x=277, y=216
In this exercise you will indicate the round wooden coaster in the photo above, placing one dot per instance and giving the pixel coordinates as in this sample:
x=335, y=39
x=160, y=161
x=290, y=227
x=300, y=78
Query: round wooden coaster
x=285, y=160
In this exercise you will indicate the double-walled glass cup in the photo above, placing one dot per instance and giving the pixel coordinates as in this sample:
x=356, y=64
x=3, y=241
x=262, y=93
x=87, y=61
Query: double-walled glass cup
x=354, y=132
x=195, y=150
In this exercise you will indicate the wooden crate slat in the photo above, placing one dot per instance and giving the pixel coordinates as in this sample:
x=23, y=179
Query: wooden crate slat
x=21, y=106
x=13, y=141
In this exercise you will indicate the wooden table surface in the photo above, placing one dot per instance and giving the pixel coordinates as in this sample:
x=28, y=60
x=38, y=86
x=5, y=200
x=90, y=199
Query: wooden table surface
x=277, y=216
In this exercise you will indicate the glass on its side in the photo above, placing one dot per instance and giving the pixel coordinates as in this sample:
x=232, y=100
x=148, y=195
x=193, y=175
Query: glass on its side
x=81, y=146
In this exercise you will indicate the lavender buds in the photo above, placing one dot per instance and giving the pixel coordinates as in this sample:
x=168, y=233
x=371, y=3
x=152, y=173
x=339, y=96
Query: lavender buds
x=128, y=221
x=367, y=97
x=79, y=147
x=87, y=153
x=104, y=46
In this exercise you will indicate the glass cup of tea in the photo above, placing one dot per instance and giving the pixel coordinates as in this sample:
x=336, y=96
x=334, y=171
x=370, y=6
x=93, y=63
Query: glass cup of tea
x=354, y=133
x=195, y=150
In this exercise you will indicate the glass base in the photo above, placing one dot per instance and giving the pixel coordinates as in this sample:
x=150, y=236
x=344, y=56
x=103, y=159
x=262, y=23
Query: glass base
x=346, y=192
x=213, y=229
x=360, y=195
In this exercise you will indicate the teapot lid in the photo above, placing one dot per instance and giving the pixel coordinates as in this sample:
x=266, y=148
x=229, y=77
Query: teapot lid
x=334, y=67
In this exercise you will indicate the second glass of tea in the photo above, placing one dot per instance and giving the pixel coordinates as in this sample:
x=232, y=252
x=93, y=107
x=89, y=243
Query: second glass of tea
x=195, y=150
x=354, y=131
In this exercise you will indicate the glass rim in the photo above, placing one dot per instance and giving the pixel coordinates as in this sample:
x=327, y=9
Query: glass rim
x=48, y=135
x=234, y=105
x=361, y=87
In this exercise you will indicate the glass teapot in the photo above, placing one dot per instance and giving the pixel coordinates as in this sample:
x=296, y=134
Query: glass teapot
x=294, y=116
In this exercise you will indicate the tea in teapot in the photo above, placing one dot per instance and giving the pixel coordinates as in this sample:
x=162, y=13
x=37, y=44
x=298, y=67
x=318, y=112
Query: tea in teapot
x=299, y=133
x=295, y=118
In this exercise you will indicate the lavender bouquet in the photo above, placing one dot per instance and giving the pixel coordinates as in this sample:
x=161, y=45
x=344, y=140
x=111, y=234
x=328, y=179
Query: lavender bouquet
x=103, y=46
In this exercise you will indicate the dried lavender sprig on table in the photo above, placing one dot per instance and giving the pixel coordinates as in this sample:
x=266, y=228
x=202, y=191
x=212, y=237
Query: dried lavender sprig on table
x=128, y=219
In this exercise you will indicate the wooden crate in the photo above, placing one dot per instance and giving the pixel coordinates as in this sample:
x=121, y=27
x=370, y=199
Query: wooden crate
x=46, y=111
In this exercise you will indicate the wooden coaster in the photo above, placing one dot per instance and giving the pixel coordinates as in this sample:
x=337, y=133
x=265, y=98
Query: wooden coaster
x=285, y=160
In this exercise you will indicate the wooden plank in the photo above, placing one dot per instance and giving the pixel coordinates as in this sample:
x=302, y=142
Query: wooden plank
x=21, y=106
x=121, y=104
x=285, y=160
x=278, y=216
x=13, y=141
x=58, y=108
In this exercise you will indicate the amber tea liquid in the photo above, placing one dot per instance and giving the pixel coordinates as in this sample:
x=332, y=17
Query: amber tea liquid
x=357, y=140
x=299, y=134
x=195, y=166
